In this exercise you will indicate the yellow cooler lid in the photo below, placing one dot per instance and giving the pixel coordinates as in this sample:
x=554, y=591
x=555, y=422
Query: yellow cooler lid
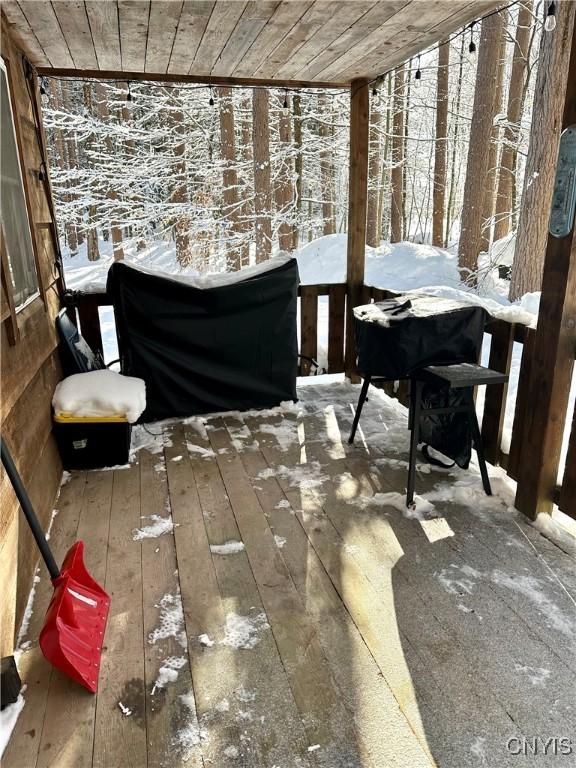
x=71, y=418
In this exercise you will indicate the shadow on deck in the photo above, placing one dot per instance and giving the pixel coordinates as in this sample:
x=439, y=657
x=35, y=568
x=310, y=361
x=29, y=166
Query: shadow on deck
x=336, y=632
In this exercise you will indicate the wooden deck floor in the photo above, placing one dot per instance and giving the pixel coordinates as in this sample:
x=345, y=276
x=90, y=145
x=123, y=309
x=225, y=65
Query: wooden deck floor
x=342, y=634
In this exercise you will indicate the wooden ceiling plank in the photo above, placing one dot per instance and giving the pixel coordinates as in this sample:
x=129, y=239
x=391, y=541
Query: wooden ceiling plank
x=334, y=27
x=455, y=21
x=379, y=14
x=285, y=17
x=191, y=27
x=23, y=33
x=43, y=21
x=162, y=27
x=104, y=24
x=220, y=26
x=314, y=18
x=407, y=43
x=255, y=17
x=408, y=23
x=74, y=24
x=133, y=18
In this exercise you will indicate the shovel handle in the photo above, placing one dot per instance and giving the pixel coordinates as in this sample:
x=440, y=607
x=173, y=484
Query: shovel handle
x=28, y=510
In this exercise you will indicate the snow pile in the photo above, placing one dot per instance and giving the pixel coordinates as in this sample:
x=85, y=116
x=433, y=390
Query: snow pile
x=158, y=527
x=285, y=433
x=205, y=453
x=228, y=548
x=168, y=672
x=8, y=718
x=146, y=439
x=189, y=736
x=100, y=393
x=418, y=510
x=306, y=477
x=242, y=631
x=28, y=612
x=171, y=621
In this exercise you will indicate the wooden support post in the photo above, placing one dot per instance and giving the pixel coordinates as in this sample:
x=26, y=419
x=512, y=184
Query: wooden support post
x=357, y=205
x=553, y=357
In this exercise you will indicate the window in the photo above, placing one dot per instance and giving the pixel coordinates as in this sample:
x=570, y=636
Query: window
x=15, y=225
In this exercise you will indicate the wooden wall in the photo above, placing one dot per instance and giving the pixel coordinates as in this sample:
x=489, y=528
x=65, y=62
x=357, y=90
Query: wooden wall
x=30, y=369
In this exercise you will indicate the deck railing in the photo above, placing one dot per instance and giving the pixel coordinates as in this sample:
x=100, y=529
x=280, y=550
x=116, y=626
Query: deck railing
x=503, y=336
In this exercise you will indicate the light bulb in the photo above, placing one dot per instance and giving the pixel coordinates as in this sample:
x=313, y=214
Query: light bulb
x=550, y=23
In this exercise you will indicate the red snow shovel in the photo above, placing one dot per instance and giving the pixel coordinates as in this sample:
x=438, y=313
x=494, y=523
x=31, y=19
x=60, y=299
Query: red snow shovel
x=73, y=632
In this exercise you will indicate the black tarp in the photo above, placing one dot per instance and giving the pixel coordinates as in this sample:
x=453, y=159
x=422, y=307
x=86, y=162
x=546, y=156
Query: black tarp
x=396, y=337
x=217, y=347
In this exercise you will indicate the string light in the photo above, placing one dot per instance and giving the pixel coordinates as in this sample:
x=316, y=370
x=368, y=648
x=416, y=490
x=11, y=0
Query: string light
x=418, y=75
x=211, y=101
x=472, y=46
x=285, y=105
x=129, y=94
x=550, y=23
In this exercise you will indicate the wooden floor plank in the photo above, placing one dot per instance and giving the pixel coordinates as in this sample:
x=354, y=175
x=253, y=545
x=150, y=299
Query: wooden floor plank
x=120, y=735
x=213, y=667
x=377, y=714
x=68, y=734
x=272, y=730
x=313, y=686
x=168, y=716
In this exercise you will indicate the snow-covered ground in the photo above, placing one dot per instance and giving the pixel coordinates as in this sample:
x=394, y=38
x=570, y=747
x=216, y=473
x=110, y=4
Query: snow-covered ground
x=396, y=267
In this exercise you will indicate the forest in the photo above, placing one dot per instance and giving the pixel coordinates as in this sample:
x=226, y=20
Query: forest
x=461, y=157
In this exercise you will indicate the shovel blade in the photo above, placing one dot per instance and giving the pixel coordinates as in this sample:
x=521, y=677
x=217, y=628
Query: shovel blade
x=73, y=632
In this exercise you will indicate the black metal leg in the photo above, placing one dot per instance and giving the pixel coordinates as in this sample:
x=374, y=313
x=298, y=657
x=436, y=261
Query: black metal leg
x=414, y=420
x=361, y=399
x=477, y=438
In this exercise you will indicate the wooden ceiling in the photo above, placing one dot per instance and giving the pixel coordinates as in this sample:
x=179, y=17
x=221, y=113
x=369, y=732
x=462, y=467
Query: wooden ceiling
x=293, y=41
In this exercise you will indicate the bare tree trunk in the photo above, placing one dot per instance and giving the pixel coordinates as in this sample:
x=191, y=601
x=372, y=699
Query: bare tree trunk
x=439, y=189
x=455, y=133
x=479, y=146
x=180, y=197
x=406, y=219
x=61, y=159
x=93, y=252
x=229, y=175
x=262, y=194
x=284, y=189
x=326, y=133
x=104, y=115
x=532, y=234
x=490, y=187
x=516, y=93
x=298, y=165
x=385, y=170
x=71, y=154
x=247, y=209
x=372, y=219
x=397, y=176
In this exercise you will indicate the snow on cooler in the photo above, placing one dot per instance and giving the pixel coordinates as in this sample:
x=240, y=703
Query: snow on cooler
x=100, y=393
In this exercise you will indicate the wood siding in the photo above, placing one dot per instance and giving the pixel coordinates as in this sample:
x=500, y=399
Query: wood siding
x=30, y=370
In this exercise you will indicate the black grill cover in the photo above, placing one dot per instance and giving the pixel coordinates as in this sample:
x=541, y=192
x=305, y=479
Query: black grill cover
x=396, y=337
x=205, y=349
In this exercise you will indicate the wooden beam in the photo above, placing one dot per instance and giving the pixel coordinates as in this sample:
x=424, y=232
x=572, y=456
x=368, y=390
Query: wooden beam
x=553, y=358
x=357, y=204
x=167, y=77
